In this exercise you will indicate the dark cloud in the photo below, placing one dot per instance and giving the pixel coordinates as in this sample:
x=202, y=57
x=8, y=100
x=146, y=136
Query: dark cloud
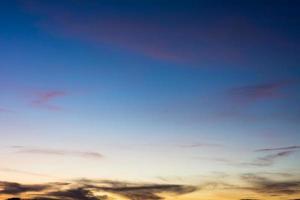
x=74, y=194
x=136, y=191
x=16, y=188
x=249, y=199
x=269, y=186
x=86, y=189
x=295, y=147
x=57, y=152
x=149, y=192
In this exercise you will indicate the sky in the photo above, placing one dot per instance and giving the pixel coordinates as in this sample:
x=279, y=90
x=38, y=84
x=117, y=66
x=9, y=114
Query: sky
x=149, y=100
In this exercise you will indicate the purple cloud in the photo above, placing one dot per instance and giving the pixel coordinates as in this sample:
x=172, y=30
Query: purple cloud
x=5, y=110
x=178, y=40
x=44, y=99
x=252, y=93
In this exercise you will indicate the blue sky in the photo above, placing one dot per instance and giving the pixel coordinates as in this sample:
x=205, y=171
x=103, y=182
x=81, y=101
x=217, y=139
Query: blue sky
x=148, y=84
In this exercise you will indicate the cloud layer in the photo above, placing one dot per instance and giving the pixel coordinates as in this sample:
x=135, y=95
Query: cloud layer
x=87, y=189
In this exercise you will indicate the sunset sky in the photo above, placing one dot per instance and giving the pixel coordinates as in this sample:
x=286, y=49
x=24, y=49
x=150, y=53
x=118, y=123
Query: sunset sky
x=150, y=99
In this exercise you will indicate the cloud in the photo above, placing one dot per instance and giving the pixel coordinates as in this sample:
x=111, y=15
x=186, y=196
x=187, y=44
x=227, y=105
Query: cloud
x=265, y=185
x=16, y=188
x=253, y=93
x=164, y=34
x=249, y=199
x=5, y=110
x=9, y=170
x=76, y=194
x=87, y=189
x=262, y=161
x=269, y=159
x=240, y=99
x=196, y=145
x=149, y=191
x=44, y=99
x=295, y=147
x=57, y=152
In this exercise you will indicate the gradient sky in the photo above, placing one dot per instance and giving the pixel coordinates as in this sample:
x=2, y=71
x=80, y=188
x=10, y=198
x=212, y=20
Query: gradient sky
x=201, y=94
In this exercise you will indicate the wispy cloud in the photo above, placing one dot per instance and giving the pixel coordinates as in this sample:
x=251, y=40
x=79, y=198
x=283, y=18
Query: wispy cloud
x=58, y=152
x=44, y=99
x=263, y=185
x=199, y=145
x=176, y=38
x=252, y=93
x=16, y=171
x=295, y=147
x=239, y=99
x=261, y=161
x=269, y=159
x=269, y=186
x=5, y=110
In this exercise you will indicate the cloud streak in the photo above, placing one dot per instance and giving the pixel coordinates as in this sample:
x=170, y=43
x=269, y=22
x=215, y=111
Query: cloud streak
x=261, y=161
x=268, y=186
x=288, y=148
x=175, y=37
x=9, y=170
x=253, y=93
x=58, y=152
x=269, y=159
x=44, y=99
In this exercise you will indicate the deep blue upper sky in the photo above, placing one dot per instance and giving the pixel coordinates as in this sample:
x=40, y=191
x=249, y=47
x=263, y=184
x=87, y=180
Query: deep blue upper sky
x=159, y=72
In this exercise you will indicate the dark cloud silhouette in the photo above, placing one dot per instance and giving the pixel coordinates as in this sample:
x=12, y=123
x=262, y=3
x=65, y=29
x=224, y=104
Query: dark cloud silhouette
x=295, y=147
x=273, y=187
x=16, y=188
x=249, y=199
x=75, y=194
x=85, y=190
x=13, y=199
x=136, y=191
x=57, y=152
x=149, y=192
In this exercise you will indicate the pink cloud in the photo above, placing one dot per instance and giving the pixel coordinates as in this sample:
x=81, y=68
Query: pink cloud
x=44, y=99
x=228, y=39
x=253, y=93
